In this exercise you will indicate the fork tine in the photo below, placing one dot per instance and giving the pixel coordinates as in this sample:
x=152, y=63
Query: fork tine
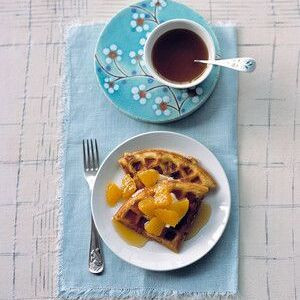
x=88, y=155
x=84, y=155
x=97, y=155
x=93, y=154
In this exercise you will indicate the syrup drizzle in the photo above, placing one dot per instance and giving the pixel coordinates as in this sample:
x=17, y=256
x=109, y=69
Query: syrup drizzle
x=137, y=240
x=129, y=236
x=200, y=220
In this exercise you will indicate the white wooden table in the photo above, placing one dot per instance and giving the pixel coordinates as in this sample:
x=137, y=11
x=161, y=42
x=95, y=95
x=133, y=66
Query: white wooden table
x=31, y=51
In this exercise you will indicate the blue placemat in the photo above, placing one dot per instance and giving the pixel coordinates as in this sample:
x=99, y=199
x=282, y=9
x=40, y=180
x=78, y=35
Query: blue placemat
x=89, y=114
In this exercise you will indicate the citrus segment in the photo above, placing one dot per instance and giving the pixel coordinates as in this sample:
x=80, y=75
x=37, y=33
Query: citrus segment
x=154, y=226
x=181, y=207
x=148, y=177
x=113, y=194
x=167, y=216
x=147, y=207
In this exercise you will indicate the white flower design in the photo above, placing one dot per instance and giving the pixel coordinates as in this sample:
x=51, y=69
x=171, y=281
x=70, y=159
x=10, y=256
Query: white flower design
x=193, y=93
x=112, y=53
x=139, y=23
x=158, y=3
x=161, y=106
x=137, y=57
x=140, y=93
x=143, y=39
x=110, y=85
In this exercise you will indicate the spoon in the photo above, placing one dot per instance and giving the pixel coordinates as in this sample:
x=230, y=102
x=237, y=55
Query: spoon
x=243, y=64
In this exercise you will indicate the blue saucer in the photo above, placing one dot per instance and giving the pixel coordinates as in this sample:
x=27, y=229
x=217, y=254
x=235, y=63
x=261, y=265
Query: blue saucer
x=122, y=73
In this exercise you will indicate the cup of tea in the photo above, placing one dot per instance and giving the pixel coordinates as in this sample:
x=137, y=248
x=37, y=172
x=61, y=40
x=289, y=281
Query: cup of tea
x=171, y=49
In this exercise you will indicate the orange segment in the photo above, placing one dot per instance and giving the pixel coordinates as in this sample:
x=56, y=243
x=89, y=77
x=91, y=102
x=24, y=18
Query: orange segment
x=113, y=194
x=181, y=207
x=128, y=186
x=147, y=207
x=162, y=197
x=148, y=177
x=167, y=216
x=154, y=226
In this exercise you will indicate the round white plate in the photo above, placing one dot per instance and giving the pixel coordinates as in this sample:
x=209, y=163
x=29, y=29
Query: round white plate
x=153, y=256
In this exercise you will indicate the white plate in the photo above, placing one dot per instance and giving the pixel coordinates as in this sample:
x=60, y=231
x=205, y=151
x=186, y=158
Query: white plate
x=154, y=256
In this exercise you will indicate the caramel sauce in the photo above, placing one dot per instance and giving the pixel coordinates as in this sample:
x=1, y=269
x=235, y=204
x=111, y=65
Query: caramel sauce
x=129, y=236
x=200, y=221
x=174, y=52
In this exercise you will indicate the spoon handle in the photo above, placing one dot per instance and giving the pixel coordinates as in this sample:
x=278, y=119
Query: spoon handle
x=243, y=64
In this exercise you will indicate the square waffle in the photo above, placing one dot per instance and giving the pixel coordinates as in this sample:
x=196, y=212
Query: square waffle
x=171, y=237
x=166, y=163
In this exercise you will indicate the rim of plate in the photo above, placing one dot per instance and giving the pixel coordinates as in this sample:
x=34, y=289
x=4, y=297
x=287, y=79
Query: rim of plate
x=190, y=261
x=182, y=116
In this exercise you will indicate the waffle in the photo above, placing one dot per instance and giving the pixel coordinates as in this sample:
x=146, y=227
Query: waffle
x=166, y=163
x=172, y=237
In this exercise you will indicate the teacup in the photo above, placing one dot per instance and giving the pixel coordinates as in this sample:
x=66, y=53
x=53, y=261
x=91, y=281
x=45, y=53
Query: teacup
x=160, y=32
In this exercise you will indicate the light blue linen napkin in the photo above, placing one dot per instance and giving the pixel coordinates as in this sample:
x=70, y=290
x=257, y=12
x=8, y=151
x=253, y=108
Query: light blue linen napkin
x=89, y=115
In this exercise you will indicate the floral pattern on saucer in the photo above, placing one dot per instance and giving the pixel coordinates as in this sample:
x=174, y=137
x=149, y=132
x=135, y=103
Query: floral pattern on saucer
x=121, y=70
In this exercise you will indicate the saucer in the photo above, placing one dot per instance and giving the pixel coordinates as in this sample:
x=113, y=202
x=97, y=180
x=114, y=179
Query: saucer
x=121, y=70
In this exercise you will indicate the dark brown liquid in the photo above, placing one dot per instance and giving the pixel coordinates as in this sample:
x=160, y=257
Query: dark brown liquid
x=174, y=52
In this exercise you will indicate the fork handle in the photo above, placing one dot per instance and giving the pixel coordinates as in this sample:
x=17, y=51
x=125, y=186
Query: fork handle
x=96, y=262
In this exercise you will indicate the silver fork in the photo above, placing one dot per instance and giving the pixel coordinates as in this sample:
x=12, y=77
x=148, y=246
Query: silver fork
x=91, y=165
